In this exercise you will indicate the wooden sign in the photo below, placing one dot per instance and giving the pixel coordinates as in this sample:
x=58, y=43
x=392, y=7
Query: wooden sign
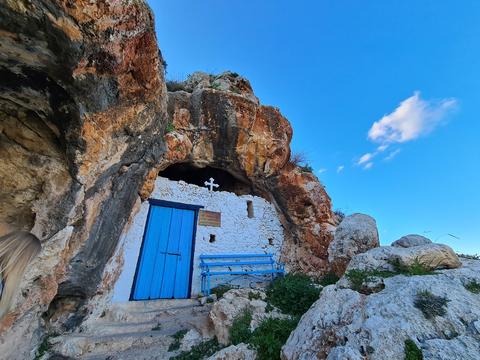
x=209, y=218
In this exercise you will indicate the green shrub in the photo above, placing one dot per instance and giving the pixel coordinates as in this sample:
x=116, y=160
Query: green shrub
x=43, y=348
x=293, y=293
x=412, y=352
x=169, y=128
x=416, y=268
x=329, y=279
x=240, y=329
x=306, y=168
x=200, y=351
x=358, y=277
x=270, y=336
x=430, y=305
x=473, y=287
x=254, y=295
x=221, y=289
x=177, y=339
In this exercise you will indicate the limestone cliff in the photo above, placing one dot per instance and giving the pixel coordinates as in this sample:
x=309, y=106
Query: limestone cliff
x=84, y=130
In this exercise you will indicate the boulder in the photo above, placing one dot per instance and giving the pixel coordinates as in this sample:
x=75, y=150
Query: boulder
x=234, y=303
x=430, y=256
x=356, y=234
x=411, y=240
x=235, y=352
x=344, y=324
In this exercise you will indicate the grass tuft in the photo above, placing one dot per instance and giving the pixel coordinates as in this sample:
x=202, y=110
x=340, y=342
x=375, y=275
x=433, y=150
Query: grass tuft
x=293, y=294
x=240, y=329
x=200, y=351
x=177, y=339
x=270, y=336
x=329, y=279
x=220, y=290
x=412, y=352
x=473, y=287
x=430, y=305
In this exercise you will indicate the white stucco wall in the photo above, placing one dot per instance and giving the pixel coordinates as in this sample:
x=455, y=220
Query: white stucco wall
x=238, y=233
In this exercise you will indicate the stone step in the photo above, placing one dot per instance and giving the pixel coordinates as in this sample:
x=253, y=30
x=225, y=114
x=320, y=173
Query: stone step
x=148, y=310
x=84, y=345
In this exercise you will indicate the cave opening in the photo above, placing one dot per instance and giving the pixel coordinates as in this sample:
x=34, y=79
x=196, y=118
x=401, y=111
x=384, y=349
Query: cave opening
x=198, y=175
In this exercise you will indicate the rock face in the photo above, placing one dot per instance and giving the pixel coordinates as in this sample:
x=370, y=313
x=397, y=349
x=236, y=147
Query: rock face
x=82, y=107
x=235, y=352
x=86, y=126
x=411, y=240
x=356, y=234
x=344, y=324
x=234, y=303
x=430, y=256
x=217, y=121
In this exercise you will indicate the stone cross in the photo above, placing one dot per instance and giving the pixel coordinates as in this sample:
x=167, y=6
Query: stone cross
x=211, y=184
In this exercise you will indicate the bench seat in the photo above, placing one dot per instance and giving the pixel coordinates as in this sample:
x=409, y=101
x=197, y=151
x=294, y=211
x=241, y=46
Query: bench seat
x=258, y=264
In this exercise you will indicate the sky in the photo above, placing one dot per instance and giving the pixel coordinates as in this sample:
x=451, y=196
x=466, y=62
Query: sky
x=383, y=97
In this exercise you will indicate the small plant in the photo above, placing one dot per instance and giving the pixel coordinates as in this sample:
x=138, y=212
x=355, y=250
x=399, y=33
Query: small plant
x=177, y=339
x=200, y=351
x=430, y=305
x=359, y=277
x=473, y=287
x=240, y=329
x=220, y=290
x=169, y=128
x=412, y=352
x=216, y=86
x=340, y=215
x=157, y=327
x=306, y=168
x=293, y=294
x=298, y=158
x=329, y=279
x=270, y=336
x=43, y=348
x=254, y=296
x=416, y=268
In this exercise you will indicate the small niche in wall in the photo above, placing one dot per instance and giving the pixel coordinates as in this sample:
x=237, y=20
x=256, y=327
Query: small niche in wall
x=212, y=239
x=250, y=208
x=270, y=241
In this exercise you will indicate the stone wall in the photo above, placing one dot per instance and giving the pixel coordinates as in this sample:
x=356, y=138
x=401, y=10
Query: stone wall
x=238, y=233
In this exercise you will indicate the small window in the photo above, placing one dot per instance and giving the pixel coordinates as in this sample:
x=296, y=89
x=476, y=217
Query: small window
x=270, y=241
x=250, y=208
x=212, y=238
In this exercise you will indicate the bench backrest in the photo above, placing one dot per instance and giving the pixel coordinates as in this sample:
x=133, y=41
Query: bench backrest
x=208, y=261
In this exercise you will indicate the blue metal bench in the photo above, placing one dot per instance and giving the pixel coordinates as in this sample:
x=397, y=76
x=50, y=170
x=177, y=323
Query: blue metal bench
x=258, y=264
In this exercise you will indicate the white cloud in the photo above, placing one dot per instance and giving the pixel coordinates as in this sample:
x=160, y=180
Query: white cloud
x=382, y=148
x=340, y=168
x=413, y=118
x=392, y=155
x=321, y=171
x=365, y=158
x=368, y=165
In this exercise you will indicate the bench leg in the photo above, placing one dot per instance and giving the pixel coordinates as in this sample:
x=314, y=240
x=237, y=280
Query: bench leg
x=208, y=285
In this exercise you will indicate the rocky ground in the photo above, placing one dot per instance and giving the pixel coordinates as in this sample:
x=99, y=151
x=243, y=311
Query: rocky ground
x=439, y=312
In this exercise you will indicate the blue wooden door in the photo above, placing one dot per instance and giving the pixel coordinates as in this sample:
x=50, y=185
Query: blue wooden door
x=164, y=267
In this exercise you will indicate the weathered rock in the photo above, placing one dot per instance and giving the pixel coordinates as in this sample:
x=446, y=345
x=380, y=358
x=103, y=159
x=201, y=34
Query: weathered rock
x=430, y=256
x=83, y=105
x=235, y=352
x=85, y=130
x=344, y=324
x=356, y=234
x=191, y=338
x=234, y=303
x=411, y=240
x=217, y=121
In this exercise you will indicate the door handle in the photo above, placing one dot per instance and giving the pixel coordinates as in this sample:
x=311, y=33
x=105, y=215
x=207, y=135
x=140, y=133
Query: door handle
x=170, y=253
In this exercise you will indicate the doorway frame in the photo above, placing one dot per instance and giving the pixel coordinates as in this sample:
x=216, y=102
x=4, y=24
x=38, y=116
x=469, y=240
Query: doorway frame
x=175, y=205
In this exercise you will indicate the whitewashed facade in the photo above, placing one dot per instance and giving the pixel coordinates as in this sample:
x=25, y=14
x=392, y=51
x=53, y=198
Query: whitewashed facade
x=238, y=233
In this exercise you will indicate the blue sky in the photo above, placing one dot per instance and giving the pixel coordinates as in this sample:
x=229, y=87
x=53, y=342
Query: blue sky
x=335, y=68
